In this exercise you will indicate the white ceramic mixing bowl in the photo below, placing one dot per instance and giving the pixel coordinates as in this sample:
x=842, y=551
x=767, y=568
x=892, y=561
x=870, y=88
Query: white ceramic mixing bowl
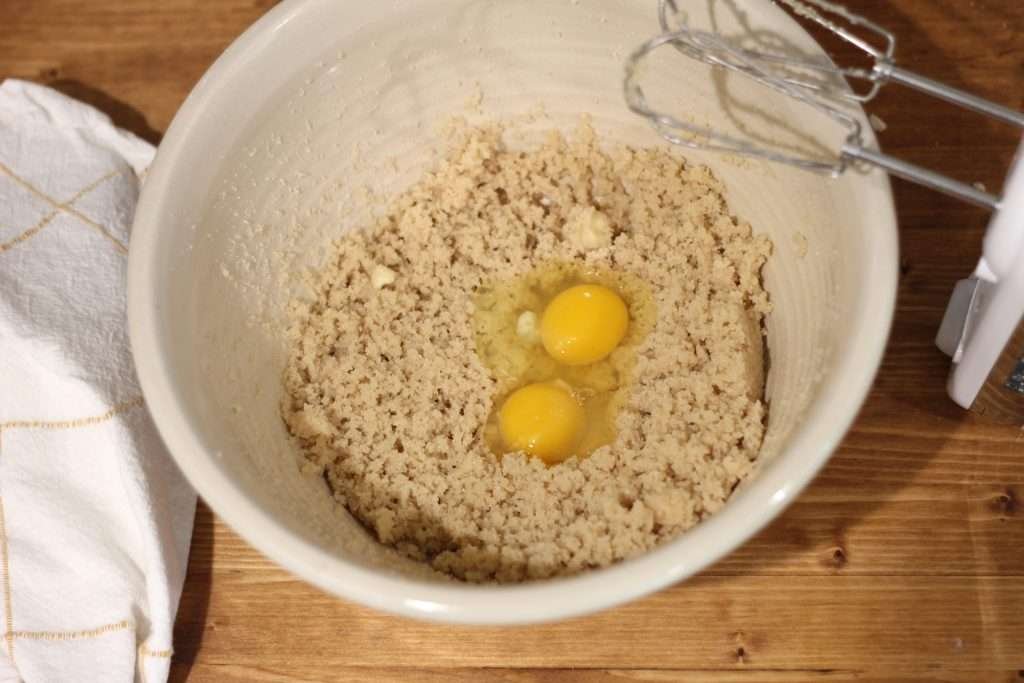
x=324, y=106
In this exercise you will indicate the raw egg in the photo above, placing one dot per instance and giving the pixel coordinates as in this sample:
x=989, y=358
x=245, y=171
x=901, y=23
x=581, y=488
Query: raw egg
x=572, y=400
x=583, y=324
x=544, y=420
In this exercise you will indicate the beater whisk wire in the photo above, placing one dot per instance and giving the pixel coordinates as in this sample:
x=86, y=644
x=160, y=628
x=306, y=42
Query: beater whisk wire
x=791, y=76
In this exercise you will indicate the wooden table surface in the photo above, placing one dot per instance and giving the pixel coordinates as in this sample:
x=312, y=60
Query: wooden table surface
x=903, y=561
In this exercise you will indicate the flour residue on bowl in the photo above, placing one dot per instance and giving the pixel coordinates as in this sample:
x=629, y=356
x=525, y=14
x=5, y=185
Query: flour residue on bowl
x=389, y=400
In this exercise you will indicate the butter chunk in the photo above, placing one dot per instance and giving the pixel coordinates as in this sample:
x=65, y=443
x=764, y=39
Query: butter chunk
x=588, y=229
x=526, y=327
x=382, y=276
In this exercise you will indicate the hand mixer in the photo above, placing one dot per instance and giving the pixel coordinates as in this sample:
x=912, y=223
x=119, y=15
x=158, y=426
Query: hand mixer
x=983, y=328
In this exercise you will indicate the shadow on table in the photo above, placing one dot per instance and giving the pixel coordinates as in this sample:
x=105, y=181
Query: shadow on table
x=195, y=599
x=123, y=115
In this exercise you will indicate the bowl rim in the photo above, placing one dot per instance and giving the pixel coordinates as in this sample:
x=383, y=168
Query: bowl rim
x=533, y=602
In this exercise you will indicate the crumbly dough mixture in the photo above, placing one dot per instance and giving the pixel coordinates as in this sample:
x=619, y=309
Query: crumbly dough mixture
x=388, y=399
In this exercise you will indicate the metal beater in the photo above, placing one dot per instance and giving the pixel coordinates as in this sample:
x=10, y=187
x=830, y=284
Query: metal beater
x=983, y=330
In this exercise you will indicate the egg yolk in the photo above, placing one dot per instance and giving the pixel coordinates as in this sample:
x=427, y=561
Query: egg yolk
x=543, y=420
x=583, y=324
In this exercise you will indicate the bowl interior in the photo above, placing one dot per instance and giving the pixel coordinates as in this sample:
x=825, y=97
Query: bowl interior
x=323, y=110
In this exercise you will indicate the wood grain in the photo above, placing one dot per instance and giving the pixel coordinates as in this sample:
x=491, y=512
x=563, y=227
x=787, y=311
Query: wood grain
x=904, y=561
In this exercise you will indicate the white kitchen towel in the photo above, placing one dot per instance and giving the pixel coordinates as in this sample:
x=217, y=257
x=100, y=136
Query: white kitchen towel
x=95, y=518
